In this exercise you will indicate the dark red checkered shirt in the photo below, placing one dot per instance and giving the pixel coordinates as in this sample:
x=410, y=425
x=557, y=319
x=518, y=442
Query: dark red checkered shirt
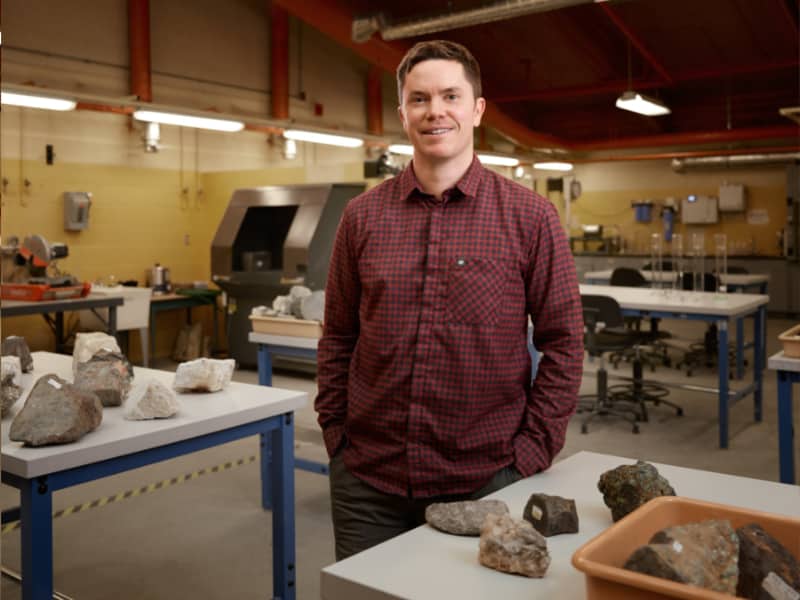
x=424, y=371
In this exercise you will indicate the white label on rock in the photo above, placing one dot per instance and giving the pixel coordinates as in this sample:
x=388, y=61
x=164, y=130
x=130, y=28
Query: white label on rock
x=54, y=383
x=776, y=587
x=536, y=513
x=677, y=546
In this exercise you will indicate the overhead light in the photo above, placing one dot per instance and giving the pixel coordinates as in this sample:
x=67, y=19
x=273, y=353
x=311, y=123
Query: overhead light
x=641, y=104
x=289, y=149
x=151, y=137
x=33, y=101
x=183, y=120
x=323, y=138
x=499, y=161
x=553, y=166
x=404, y=149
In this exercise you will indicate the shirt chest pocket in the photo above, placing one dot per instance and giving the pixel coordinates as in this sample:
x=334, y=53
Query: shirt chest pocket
x=475, y=288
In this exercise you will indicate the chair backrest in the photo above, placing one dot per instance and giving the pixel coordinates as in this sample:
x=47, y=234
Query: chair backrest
x=626, y=276
x=709, y=282
x=601, y=309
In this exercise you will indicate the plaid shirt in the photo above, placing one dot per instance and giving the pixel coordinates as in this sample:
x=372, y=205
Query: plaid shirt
x=423, y=367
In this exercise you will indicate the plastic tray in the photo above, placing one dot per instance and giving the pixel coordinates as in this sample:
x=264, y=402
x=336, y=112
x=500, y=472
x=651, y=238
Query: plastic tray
x=791, y=342
x=288, y=327
x=38, y=292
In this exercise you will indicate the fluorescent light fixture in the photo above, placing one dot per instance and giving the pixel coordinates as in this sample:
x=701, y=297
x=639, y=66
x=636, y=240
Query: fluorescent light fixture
x=322, y=138
x=641, y=104
x=181, y=120
x=553, y=166
x=404, y=149
x=499, y=161
x=32, y=101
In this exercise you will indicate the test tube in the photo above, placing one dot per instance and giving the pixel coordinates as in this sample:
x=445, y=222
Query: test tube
x=721, y=260
x=677, y=260
x=656, y=265
x=698, y=260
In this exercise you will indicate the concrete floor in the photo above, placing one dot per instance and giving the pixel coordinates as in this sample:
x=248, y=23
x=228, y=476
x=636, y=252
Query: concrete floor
x=209, y=538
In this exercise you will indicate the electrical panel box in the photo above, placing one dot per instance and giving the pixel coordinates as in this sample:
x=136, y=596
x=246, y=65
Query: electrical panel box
x=76, y=210
x=697, y=209
x=731, y=197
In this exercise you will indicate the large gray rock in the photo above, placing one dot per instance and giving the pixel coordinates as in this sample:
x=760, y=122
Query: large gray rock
x=759, y=555
x=56, y=412
x=704, y=554
x=513, y=546
x=89, y=344
x=627, y=487
x=15, y=345
x=312, y=307
x=152, y=400
x=462, y=518
x=204, y=375
x=10, y=383
x=107, y=374
x=551, y=515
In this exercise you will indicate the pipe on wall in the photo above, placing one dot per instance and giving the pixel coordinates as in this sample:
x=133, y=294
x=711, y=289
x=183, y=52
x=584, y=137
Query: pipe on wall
x=139, y=46
x=279, y=61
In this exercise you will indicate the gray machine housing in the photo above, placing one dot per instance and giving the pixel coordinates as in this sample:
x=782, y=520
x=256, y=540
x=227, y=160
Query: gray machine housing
x=269, y=239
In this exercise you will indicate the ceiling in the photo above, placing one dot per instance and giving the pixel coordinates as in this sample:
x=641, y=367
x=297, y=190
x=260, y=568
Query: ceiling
x=724, y=67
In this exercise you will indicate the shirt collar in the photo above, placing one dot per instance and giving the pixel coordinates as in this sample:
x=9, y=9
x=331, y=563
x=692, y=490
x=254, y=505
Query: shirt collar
x=467, y=185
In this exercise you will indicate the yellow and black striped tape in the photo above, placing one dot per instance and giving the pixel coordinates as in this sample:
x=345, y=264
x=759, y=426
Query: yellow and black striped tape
x=145, y=489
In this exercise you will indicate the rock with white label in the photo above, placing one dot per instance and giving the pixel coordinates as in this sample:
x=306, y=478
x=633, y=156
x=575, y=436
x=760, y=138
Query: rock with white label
x=204, y=375
x=89, y=344
x=56, y=412
x=513, y=546
x=10, y=383
x=760, y=555
x=15, y=345
x=551, y=515
x=107, y=374
x=152, y=400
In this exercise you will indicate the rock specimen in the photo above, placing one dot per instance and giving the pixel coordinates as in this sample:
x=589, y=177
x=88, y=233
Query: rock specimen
x=89, y=344
x=551, y=515
x=705, y=554
x=15, y=345
x=627, y=487
x=153, y=400
x=312, y=307
x=759, y=555
x=10, y=383
x=513, y=546
x=204, y=375
x=463, y=518
x=56, y=412
x=107, y=374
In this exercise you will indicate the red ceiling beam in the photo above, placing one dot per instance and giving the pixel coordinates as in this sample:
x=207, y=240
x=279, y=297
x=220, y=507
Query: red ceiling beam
x=689, y=154
x=279, y=62
x=139, y=47
x=637, y=43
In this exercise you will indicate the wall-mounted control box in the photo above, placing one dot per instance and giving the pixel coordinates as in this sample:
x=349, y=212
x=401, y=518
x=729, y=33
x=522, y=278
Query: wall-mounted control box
x=732, y=197
x=76, y=210
x=696, y=209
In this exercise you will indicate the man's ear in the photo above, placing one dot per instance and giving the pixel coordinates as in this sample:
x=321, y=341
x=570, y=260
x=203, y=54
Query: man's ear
x=480, y=107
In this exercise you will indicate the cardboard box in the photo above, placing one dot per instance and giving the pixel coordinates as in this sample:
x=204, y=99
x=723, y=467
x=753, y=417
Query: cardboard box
x=791, y=342
x=602, y=557
x=286, y=326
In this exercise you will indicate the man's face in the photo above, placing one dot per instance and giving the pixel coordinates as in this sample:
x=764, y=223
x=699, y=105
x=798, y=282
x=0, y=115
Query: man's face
x=439, y=110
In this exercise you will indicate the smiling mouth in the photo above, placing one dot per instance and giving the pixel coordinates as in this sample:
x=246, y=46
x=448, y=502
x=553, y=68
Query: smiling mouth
x=437, y=131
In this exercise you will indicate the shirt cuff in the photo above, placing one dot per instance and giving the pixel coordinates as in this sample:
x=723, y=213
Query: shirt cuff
x=333, y=435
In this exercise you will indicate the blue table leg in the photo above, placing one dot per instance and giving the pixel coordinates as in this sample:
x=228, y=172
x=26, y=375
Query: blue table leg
x=283, y=529
x=739, y=347
x=264, y=365
x=266, y=470
x=37, y=540
x=785, y=427
x=759, y=358
x=722, y=361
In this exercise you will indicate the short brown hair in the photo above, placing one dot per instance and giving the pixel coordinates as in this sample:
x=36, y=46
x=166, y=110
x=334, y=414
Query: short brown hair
x=443, y=50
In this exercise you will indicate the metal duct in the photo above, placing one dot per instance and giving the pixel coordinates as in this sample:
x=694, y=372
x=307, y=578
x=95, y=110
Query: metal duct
x=740, y=160
x=364, y=28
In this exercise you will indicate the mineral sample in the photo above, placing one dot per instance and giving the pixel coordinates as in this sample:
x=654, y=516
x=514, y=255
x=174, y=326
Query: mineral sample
x=10, y=383
x=759, y=555
x=627, y=487
x=513, y=546
x=56, y=412
x=107, y=374
x=463, y=518
x=312, y=307
x=551, y=515
x=204, y=375
x=704, y=554
x=153, y=400
x=15, y=345
x=89, y=344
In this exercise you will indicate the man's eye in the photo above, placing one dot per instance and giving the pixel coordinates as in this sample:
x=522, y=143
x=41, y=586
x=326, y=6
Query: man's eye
x=418, y=100
x=452, y=96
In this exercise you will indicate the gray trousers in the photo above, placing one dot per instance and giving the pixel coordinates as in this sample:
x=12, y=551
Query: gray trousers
x=364, y=517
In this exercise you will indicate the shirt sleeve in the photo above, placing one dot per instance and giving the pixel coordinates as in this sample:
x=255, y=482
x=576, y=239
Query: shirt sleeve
x=340, y=333
x=554, y=305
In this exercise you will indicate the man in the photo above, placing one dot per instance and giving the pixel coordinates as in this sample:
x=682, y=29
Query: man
x=424, y=374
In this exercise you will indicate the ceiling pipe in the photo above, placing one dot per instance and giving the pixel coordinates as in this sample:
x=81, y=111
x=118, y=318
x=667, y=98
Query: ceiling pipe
x=680, y=165
x=684, y=154
x=139, y=47
x=364, y=28
x=374, y=100
x=279, y=62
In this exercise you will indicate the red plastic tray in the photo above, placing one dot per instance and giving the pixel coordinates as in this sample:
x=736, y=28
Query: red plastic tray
x=37, y=292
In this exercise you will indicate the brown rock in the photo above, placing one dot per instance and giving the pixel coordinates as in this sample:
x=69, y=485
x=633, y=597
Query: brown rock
x=703, y=554
x=56, y=412
x=462, y=518
x=513, y=546
x=759, y=555
x=627, y=487
x=551, y=515
x=107, y=374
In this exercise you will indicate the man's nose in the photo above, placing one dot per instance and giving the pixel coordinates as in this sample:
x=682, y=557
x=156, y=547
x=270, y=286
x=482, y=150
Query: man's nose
x=435, y=107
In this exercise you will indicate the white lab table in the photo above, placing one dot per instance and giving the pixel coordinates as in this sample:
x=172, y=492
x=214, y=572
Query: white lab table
x=117, y=445
x=736, y=282
x=425, y=564
x=711, y=307
x=787, y=370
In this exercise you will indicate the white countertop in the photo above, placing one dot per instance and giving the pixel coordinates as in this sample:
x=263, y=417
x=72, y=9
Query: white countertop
x=425, y=564
x=201, y=413
x=290, y=341
x=704, y=303
x=727, y=279
x=783, y=363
